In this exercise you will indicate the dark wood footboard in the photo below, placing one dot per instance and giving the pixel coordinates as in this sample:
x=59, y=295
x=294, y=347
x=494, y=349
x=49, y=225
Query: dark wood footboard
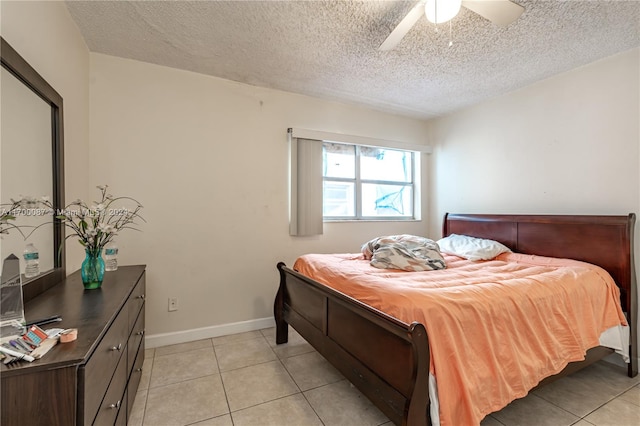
x=387, y=360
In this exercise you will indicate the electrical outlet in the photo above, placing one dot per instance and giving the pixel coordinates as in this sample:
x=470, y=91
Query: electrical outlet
x=173, y=304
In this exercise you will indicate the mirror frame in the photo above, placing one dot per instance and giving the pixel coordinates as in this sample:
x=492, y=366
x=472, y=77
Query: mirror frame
x=20, y=68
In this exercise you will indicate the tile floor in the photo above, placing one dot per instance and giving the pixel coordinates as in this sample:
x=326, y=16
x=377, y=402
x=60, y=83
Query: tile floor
x=245, y=379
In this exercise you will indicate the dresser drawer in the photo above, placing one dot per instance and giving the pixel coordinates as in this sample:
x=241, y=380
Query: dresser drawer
x=123, y=414
x=96, y=374
x=113, y=401
x=134, y=379
x=136, y=300
x=137, y=335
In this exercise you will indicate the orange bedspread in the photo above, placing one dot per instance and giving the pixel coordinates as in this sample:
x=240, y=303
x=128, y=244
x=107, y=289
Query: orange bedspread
x=496, y=328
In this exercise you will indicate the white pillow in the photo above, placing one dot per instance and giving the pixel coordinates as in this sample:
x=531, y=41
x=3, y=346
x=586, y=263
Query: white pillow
x=471, y=248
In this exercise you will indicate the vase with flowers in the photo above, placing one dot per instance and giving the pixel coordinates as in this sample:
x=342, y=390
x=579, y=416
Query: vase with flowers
x=95, y=226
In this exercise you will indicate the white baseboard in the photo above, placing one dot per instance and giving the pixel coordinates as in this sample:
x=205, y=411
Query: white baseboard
x=164, y=339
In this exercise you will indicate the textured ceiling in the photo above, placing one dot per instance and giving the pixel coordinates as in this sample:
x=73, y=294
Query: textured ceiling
x=329, y=49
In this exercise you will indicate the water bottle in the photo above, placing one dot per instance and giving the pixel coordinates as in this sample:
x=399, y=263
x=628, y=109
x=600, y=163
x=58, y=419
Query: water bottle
x=32, y=261
x=111, y=257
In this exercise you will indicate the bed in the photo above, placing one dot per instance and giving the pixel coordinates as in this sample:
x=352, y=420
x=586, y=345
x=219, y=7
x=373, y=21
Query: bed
x=388, y=360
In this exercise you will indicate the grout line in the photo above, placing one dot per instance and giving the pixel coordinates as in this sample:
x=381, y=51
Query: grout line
x=294, y=380
x=250, y=365
x=582, y=420
x=184, y=380
x=146, y=398
x=495, y=419
x=209, y=418
x=253, y=365
x=224, y=389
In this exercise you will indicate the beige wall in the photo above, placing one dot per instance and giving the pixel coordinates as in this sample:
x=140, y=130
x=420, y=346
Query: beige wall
x=208, y=160
x=566, y=145
x=44, y=34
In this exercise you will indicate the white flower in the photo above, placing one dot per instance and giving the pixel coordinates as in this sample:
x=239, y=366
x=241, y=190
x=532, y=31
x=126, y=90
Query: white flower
x=105, y=228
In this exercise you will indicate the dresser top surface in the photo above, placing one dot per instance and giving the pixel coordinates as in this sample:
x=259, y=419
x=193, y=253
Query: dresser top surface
x=89, y=311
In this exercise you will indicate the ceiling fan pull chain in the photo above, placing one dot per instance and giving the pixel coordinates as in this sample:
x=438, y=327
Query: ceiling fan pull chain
x=435, y=10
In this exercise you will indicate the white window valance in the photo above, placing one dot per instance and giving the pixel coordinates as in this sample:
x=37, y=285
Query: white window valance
x=357, y=140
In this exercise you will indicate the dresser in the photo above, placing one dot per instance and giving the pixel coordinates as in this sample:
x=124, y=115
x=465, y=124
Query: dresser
x=92, y=380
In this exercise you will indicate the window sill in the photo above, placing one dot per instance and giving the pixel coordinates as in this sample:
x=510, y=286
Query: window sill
x=370, y=220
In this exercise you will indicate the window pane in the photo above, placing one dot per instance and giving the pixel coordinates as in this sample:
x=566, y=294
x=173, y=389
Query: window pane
x=339, y=199
x=386, y=200
x=385, y=164
x=339, y=160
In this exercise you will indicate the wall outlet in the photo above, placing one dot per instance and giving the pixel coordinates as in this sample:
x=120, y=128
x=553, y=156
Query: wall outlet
x=173, y=304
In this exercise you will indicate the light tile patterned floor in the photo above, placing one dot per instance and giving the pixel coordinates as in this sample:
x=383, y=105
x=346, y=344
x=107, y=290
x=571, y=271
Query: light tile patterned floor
x=246, y=379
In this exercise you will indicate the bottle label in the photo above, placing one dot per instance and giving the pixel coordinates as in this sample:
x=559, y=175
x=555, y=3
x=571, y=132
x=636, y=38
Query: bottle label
x=31, y=256
x=111, y=251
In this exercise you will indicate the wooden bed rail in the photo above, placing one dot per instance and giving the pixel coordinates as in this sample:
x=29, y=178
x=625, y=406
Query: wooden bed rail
x=386, y=359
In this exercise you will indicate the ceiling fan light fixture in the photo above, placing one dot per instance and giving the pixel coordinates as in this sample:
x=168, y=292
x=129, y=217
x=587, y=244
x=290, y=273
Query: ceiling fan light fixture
x=439, y=11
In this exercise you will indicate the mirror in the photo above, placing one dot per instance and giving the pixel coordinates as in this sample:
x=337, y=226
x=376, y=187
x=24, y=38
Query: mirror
x=25, y=166
x=31, y=165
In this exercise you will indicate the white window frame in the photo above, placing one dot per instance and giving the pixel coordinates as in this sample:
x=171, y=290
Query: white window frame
x=306, y=181
x=358, y=182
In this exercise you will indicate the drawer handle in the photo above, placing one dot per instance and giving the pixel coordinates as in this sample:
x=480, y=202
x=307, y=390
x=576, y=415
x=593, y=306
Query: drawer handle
x=140, y=333
x=139, y=370
x=116, y=405
x=141, y=297
x=116, y=348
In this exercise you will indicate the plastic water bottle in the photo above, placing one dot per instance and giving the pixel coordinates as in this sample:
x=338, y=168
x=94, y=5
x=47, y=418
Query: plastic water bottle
x=32, y=261
x=111, y=257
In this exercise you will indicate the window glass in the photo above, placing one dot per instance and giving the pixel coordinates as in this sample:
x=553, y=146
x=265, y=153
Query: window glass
x=364, y=182
x=385, y=164
x=338, y=199
x=339, y=160
x=386, y=200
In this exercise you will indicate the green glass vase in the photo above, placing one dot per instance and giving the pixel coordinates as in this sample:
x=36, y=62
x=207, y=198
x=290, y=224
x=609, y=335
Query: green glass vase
x=92, y=269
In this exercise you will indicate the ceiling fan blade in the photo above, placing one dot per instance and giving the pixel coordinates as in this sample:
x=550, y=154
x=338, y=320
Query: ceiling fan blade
x=403, y=27
x=500, y=12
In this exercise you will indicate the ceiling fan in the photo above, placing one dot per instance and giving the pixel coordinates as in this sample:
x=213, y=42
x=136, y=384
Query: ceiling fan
x=500, y=12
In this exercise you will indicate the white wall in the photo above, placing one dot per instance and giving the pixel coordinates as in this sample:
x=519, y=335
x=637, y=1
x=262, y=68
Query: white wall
x=566, y=145
x=208, y=160
x=44, y=34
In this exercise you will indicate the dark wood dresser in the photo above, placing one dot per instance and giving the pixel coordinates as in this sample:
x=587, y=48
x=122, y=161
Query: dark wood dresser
x=94, y=379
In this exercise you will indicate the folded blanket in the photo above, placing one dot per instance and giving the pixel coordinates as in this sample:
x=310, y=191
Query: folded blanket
x=405, y=252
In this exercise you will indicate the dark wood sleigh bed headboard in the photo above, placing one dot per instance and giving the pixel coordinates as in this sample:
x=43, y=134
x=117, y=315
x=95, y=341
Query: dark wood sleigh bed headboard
x=606, y=241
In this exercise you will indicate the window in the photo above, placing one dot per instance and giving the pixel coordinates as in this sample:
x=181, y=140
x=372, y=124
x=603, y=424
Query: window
x=366, y=182
x=336, y=177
